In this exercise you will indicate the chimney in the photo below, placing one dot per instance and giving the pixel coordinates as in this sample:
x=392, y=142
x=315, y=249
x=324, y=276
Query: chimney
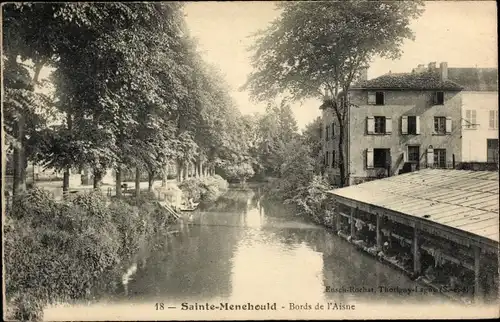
x=443, y=67
x=432, y=66
x=363, y=74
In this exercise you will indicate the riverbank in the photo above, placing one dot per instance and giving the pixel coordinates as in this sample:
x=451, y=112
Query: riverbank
x=59, y=251
x=70, y=249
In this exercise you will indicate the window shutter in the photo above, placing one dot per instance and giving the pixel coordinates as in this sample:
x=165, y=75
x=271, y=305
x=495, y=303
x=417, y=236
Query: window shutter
x=430, y=157
x=388, y=125
x=333, y=129
x=473, y=119
x=417, y=124
x=369, y=158
x=404, y=125
x=448, y=124
x=370, y=124
x=492, y=119
x=333, y=159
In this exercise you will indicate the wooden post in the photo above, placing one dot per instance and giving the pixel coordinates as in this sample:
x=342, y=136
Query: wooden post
x=352, y=222
x=379, y=235
x=478, y=292
x=416, y=254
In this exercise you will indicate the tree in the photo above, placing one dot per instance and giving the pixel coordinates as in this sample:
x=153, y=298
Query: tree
x=311, y=137
x=277, y=127
x=316, y=49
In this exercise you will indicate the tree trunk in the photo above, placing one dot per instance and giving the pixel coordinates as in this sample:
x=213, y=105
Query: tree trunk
x=97, y=178
x=341, y=157
x=16, y=174
x=66, y=182
x=137, y=182
x=19, y=180
x=180, y=174
x=151, y=179
x=186, y=169
x=19, y=183
x=164, y=176
x=118, y=181
x=69, y=124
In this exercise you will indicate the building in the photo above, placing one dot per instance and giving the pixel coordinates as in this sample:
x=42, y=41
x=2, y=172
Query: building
x=479, y=113
x=438, y=222
x=397, y=123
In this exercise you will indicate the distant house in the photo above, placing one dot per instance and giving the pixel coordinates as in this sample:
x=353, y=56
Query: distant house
x=397, y=123
x=479, y=112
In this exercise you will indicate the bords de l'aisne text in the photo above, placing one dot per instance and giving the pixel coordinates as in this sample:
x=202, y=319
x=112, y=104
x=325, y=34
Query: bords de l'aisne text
x=228, y=307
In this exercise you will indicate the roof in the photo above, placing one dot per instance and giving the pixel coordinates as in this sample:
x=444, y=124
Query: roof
x=475, y=79
x=463, y=200
x=427, y=80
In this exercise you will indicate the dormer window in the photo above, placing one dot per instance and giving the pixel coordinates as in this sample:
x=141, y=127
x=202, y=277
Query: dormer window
x=438, y=98
x=376, y=98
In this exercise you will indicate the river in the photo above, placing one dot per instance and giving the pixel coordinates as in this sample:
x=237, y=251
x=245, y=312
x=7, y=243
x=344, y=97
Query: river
x=242, y=250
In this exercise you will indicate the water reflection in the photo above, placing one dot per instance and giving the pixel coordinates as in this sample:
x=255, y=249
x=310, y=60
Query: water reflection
x=242, y=248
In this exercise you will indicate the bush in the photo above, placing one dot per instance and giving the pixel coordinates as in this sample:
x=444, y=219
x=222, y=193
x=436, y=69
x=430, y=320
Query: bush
x=300, y=188
x=313, y=201
x=59, y=251
x=204, y=189
x=239, y=172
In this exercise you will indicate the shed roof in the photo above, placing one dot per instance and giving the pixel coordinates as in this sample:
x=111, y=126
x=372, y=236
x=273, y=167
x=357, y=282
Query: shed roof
x=463, y=200
x=427, y=80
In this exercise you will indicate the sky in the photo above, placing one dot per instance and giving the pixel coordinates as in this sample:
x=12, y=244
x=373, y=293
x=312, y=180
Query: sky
x=462, y=33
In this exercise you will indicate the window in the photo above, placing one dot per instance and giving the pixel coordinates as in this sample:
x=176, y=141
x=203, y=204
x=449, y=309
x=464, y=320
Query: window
x=333, y=159
x=327, y=130
x=412, y=125
x=326, y=158
x=438, y=98
x=493, y=119
x=440, y=158
x=414, y=154
x=379, y=124
x=333, y=129
x=440, y=125
x=376, y=98
x=470, y=119
x=380, y=158
x=492, y=150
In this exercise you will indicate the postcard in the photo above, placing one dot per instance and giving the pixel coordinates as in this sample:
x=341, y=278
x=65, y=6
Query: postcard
x=240, y=160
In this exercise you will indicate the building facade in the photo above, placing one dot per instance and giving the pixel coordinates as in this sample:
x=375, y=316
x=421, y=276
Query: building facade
x=397, y=123
x=479, y=113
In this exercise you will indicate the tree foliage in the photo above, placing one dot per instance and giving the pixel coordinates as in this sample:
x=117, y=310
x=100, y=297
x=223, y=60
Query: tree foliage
x=114, y=105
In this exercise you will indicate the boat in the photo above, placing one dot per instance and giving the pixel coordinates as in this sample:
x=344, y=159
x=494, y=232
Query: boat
x=189, y=208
